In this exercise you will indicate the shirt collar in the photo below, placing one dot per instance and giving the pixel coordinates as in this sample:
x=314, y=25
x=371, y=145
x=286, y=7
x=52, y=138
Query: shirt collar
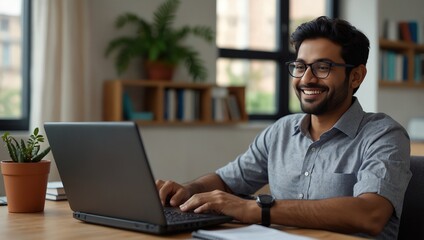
x=351, y=119
x=348, y=123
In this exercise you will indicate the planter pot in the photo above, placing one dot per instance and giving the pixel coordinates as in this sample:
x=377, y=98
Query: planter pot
x=25, y=185
x=157, y=70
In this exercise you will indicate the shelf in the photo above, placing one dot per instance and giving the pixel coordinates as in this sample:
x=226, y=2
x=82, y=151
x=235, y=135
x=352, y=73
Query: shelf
x=407, y=52
x=192, y=103
x=390, y=84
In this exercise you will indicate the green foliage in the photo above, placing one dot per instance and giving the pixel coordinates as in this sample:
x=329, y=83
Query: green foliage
x=25, y=152
x=159, y=41
x=10, y=103
x=260, y=103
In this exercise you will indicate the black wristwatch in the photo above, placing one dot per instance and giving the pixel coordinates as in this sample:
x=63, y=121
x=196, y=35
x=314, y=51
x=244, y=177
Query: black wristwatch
x=265, y=201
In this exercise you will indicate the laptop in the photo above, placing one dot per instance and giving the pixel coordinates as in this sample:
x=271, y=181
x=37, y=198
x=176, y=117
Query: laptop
x=108, y=180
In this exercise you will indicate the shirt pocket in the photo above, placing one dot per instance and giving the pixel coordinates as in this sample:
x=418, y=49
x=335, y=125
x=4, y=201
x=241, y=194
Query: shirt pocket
x=327, y=185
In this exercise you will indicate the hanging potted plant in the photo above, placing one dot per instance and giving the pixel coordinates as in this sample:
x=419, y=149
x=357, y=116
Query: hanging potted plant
x=160, y=46
x=26, y=174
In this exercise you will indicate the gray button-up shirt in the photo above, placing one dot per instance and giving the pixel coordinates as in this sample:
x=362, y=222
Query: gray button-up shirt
x=361, y=153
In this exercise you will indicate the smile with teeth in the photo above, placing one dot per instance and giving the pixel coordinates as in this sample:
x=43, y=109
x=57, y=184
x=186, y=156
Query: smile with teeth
x=312, y=92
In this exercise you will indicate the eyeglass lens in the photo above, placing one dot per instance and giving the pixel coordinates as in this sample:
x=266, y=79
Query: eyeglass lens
x=319, y=69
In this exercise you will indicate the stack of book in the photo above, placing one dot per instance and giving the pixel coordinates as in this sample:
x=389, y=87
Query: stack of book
x=55, y=191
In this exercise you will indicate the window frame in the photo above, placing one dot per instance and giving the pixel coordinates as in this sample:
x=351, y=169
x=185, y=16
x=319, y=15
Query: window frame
x=23, y=122
x=280, y=56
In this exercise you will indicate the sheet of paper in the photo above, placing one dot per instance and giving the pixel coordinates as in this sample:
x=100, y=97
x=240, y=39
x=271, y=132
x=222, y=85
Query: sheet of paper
x=252, y=232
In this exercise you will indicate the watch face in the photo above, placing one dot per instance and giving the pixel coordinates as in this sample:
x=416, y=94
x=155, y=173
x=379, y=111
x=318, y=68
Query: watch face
x=265, y=199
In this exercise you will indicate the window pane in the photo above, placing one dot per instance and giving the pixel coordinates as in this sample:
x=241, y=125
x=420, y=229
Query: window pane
x=10, y=59
x=258, y=76
x=300, y=12
x=247, y=24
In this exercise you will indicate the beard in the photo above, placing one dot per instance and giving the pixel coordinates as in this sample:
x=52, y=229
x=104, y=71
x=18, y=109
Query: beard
x=319, y=109
x=331, y=102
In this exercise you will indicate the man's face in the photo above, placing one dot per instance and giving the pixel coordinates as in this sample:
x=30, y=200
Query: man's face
x=320, y=96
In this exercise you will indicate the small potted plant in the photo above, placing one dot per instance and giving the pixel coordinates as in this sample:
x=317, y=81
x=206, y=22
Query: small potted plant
x=159, y=45
x=26, y=174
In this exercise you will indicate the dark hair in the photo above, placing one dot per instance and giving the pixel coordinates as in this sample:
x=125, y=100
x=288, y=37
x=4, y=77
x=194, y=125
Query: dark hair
x=355, y=45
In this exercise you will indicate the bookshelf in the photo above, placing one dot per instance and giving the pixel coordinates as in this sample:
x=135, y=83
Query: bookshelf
x=156, y=98
x=408, y=51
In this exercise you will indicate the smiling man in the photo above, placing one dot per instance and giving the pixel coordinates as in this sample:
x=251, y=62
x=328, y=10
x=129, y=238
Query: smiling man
x=333, y=167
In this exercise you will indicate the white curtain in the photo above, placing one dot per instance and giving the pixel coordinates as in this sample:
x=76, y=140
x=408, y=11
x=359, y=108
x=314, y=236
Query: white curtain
x=60, y=77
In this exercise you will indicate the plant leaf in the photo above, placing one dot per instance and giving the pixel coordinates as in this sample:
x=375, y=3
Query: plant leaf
x=125, y=19
x=164, y=16
x=36, y=130
x=195, y=67
x=41, y=155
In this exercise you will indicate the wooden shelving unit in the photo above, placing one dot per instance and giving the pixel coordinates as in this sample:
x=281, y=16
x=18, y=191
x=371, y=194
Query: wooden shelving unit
x=150, y=95
x=409, y=49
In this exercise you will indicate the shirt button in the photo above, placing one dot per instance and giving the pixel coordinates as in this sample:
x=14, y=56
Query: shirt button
x=313, y=149
x=300, y=195
x=306, y=174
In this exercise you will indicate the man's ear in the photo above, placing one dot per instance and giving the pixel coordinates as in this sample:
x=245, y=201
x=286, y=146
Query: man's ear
x=357, y=75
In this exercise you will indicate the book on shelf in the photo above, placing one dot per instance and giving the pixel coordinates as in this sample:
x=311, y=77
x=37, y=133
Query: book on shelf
x=405, y=31
x=181, y=105
x=419, y=68
x=55, y=188
x=130, y=113
x=409, y=31
x=170, y=110
x=394, y=66
x=188, y=112
x=233, y=108
x=391, y=30
x=219, y=104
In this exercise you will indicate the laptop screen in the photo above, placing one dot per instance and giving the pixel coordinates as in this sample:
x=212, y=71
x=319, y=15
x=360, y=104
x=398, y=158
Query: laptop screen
x=104, y=169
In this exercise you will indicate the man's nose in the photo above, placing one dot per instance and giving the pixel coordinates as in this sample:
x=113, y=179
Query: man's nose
x=309, y=76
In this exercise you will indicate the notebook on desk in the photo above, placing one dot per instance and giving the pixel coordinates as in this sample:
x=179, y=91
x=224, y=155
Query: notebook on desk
x=108, y=180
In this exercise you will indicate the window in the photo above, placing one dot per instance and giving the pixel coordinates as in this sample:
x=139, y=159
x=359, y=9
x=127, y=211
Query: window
x=14, y=64
x=6, y=61
x=253, y=41
x=4, y=24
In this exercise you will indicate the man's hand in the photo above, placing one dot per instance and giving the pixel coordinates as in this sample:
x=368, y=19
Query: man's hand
x=173, y=192
x=221, y=202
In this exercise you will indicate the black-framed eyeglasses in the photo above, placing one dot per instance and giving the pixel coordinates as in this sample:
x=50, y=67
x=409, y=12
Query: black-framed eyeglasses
x=320, y=69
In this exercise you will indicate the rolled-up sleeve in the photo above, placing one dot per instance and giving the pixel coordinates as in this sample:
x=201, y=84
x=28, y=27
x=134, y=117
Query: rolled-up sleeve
x=385, y=168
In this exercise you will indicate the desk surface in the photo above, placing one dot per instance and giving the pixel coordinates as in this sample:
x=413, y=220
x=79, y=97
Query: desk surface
x=56, y=222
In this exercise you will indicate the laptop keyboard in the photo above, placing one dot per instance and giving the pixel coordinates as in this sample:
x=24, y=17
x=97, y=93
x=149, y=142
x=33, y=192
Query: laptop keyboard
x=173, y=215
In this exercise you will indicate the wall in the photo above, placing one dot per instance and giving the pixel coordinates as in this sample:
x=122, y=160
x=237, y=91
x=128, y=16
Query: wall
x=401, y=103
x=184, y=153
x=365, y=19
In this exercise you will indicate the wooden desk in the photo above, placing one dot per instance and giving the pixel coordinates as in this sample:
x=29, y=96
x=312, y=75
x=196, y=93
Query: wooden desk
x=56, y=222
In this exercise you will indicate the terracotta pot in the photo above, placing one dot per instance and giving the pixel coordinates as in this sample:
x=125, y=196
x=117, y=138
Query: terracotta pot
x=25, y=185
x=157, y=70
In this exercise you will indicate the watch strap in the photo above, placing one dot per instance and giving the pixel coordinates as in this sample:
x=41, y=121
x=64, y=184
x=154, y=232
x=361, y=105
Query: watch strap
x=266, y=216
